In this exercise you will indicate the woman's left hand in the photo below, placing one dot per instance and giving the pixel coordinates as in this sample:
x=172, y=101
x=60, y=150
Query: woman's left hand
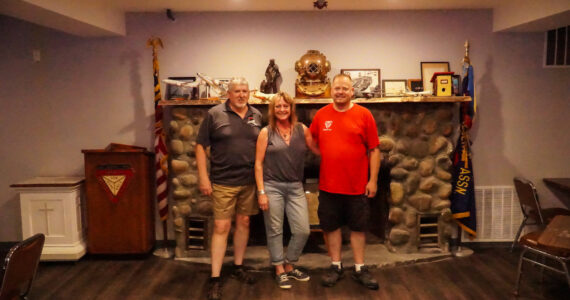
x=263, y=202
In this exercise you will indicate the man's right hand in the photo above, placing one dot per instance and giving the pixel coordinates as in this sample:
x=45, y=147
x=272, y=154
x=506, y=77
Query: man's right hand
x=205, y=186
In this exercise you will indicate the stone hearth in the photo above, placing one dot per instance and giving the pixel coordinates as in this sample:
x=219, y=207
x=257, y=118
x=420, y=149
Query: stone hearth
x=415, y=140
x=377, y=256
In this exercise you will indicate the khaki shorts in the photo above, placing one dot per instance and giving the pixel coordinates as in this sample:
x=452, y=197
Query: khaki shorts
x=229, y=200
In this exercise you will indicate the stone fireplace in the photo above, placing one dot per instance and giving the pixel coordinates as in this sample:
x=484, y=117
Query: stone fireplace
x=415, y=136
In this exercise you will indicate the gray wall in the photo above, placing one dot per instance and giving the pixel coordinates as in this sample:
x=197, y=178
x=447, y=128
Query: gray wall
x=88, y=92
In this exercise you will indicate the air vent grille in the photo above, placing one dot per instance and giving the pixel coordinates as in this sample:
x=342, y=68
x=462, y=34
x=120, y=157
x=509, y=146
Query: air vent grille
x=557, y=53
x=498, y=214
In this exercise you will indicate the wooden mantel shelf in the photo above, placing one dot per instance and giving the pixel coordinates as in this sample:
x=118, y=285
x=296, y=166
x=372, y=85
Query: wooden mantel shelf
x=420, y=99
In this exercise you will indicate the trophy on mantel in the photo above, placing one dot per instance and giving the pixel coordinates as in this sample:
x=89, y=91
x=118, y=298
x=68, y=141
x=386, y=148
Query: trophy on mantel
x=312, y=81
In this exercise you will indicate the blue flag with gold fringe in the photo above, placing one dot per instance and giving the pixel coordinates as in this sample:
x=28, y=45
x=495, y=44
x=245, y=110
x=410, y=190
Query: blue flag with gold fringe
x=463, y=206
x=463, y=194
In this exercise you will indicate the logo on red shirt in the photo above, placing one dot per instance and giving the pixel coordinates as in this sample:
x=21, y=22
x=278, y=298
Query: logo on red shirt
x=328, y=126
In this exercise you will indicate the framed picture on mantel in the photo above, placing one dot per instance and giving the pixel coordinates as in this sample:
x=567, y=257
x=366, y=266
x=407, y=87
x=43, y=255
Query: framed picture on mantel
x=430, y=67
x=177, y=92
x=415, y=85
x=394, y=87
x=366, y=82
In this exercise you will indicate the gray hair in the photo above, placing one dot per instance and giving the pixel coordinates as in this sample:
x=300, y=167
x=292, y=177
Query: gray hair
x=237, y=81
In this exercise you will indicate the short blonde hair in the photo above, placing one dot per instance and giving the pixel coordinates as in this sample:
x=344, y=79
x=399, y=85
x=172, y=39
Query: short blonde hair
x=289, y=100
x=339, y=75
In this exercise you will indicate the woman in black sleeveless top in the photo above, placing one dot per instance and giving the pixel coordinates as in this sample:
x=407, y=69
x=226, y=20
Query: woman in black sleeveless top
x=279, y=164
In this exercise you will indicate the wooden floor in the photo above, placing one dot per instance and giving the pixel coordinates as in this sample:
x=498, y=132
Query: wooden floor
x=488, y=274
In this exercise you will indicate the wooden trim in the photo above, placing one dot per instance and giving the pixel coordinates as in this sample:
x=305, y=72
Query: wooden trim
x=49, y=182
x=409, y=99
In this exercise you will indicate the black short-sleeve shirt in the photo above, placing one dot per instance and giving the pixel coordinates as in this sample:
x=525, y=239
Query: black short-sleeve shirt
x=232, y=144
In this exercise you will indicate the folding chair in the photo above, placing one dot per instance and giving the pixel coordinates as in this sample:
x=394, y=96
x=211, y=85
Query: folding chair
x=530, y=245
x=20, y=267
x=533, y=213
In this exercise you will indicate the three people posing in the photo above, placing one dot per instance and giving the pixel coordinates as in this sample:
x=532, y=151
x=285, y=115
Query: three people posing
x=346, y=135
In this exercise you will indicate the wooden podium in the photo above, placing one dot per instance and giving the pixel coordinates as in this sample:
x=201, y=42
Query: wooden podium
x=119, y=195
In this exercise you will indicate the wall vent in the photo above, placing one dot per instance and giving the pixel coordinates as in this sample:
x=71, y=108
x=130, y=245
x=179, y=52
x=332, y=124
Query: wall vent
x=498, y=214
x=557, y=47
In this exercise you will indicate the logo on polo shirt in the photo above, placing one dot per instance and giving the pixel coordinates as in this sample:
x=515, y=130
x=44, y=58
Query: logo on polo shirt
x=251, y=121
x=328, y=125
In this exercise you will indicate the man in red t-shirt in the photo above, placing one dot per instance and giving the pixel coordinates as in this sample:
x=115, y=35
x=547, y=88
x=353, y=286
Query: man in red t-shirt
x=350, y=159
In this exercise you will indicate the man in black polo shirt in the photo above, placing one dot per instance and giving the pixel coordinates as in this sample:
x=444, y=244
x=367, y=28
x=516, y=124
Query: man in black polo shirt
x=230, y=130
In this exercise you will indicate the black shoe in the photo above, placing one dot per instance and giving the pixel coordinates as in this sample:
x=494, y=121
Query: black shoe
x=241, y=274
x=365, y=278
x=283, y=281
x=333, y=275
x=298, y=275
x=215, y=290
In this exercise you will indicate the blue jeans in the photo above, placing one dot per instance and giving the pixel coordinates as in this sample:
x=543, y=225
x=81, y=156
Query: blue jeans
x=289, y=198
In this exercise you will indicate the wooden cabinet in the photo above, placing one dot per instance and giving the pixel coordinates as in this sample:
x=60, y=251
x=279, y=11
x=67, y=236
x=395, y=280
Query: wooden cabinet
x=53, y=206
x=120, y=200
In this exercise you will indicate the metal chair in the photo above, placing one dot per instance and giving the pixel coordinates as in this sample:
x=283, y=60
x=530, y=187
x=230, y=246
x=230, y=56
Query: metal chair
x=20, y=267
x=533, y=213
x=530, y=245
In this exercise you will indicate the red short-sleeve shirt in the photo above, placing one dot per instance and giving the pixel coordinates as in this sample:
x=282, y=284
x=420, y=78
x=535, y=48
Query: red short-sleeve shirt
x=344, y=139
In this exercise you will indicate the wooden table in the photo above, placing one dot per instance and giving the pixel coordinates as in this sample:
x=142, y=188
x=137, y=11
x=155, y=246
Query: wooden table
x=561, y=189
x=557, y=234
x=561, y=183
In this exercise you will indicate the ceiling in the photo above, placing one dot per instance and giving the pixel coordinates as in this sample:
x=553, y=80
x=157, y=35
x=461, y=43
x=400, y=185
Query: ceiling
x=107, y=17
x=294, y=5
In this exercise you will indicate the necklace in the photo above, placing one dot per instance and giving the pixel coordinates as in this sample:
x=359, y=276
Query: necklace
x=286, y=135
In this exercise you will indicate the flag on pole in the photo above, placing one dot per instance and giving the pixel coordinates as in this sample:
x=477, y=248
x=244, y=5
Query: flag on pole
x=463, y=206
x=468, y=109
x=463, y=194
x=161, y=153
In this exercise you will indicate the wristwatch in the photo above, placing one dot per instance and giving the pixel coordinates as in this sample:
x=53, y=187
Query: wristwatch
x=261, y=192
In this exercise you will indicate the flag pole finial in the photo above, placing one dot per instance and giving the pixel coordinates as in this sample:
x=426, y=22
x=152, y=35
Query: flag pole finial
x=154, y=42
x=466, y=59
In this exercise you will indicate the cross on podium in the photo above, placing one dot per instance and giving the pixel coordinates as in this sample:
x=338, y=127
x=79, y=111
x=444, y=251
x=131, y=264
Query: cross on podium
x=46, y=211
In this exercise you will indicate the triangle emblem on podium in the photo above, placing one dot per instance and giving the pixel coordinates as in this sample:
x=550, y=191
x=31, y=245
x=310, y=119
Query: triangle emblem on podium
x=114, y=179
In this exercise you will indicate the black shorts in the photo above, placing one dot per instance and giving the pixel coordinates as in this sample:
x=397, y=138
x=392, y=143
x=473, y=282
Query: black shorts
x=336, y=210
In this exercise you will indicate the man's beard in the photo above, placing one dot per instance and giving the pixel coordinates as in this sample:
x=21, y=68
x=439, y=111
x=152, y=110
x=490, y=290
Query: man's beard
x=240, y=104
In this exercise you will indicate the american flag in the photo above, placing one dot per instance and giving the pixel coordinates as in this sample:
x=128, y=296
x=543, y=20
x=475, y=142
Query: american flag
x=161, y=153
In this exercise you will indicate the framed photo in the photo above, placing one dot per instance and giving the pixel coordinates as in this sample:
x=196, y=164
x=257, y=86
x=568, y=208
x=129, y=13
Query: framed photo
x=394, y=87
x=415, y=85
x=428, y=68
x=174, y=92
x=366, y=82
